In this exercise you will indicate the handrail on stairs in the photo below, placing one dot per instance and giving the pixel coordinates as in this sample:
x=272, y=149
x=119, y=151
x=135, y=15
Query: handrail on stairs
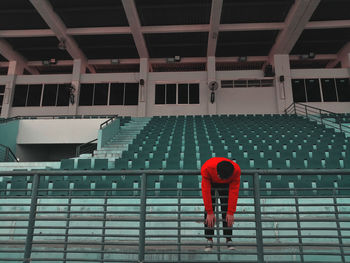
x=298, y=108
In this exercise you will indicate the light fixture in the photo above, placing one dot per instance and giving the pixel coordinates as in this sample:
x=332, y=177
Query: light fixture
x=115, y=61
x=173, y=59
x=51, y=61
x=242, y=58
x=61, y=45
x=310, y=55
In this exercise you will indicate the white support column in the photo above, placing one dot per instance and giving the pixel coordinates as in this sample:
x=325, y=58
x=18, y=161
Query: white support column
x=211, y=77
x=143, y=91
x=215, y=15
x=79, y=68
x=15, y=68
x=345, y=61
x=283, y=82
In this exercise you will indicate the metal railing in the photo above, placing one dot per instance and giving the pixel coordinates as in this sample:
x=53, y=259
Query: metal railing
x=6, y=154
x=56, y=117
x=111, y=119
x=317, y=114
x=88, y=147
x=157, y=216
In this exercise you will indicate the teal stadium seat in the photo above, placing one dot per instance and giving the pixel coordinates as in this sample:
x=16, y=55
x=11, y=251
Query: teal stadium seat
x=67, y=164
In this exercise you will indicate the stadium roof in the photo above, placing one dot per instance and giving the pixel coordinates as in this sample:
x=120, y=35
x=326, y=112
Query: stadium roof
x=242, y=34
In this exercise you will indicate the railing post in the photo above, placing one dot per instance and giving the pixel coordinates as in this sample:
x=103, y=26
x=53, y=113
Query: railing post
x=306, y=110
x=258, y=224
x=31, y=221
x=295, y=110
x=321, y=116
x=77, y=151
x=7, y=152
x=142, y=233
x=339, y=122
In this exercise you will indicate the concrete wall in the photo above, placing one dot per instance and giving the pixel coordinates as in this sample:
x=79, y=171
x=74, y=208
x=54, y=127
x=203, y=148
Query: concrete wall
x=44, y=152
x=72, y=131
x=234, y=101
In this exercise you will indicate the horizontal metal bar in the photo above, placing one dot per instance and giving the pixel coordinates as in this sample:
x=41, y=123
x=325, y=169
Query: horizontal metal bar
x=175, y=228
x=168, y=243
x=175, y=172
x=82, y=260
x=280, y=236
x=186, y=204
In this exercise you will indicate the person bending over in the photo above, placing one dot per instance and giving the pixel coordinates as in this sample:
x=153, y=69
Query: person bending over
x=223, y=175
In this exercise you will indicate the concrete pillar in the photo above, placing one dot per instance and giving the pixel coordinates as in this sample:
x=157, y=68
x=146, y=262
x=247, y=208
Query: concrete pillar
x=212, y=109
x=79, y=67
x=15, y=68
x=345, y=62
x=283, y=82
x=144, y=68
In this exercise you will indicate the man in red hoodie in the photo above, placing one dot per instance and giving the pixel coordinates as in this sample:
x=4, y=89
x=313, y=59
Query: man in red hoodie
x=223, y=175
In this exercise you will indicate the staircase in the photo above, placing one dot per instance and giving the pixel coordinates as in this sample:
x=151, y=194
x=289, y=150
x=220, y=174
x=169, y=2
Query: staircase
x=120, y=142
x=327, y=118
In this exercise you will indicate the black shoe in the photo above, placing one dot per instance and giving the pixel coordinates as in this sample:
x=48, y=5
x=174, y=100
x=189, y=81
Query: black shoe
x=209, y=245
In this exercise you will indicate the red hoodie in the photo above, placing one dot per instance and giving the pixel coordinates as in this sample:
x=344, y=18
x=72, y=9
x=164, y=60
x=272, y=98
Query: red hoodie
x=210, y=175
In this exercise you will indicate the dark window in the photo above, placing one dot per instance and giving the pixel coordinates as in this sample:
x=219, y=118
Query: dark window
x=101, y=94
x=50, y=94
x=343, y=88
x=86, y=94
x=171, y=94
x=240, y=83
x=160, y=94
x=298, y=87
x=1, y=99
x=131, y=94
x=227, y=84
x=2, y=88
x=194, y=93
x=116, y=94
x=328, y=90
x=254, y=83
x=313, y=90
x=183, y=94
x=267, y=83
x=63, y=94
x=20, y=97
x=34, y=95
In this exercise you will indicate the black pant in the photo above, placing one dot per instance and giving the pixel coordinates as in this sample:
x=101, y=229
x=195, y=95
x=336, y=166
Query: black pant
x=223, y=190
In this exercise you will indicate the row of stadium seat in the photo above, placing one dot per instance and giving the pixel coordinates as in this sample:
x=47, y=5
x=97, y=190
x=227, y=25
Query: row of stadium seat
x=159, y=185
x=185, y=142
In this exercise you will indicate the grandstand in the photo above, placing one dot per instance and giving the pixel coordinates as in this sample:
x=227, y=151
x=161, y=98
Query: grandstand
x=109, y=108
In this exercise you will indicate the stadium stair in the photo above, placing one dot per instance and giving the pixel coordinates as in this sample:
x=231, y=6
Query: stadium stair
x=119, y=143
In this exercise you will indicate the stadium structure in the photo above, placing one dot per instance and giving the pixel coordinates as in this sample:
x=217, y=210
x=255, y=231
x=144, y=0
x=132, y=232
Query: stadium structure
x=110, y=107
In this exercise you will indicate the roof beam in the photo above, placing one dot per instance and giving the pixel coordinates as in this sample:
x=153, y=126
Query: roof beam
x=183, y=60
x=216, y=7
x=45, y=10
x=344, y=51
x=328, y=24
x=170, y=29
x=135, y=27
x=297, y=18
x=11, y=55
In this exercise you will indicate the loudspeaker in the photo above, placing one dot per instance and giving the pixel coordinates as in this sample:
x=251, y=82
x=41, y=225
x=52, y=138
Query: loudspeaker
x=268, y=71
x=142, y=82
x=281, y=78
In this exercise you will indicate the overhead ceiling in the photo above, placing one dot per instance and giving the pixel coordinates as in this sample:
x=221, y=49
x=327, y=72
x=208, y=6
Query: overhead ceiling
x=100, y=31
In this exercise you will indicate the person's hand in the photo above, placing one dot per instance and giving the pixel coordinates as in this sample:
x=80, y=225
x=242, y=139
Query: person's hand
x=210, y=220
x=229, y=220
